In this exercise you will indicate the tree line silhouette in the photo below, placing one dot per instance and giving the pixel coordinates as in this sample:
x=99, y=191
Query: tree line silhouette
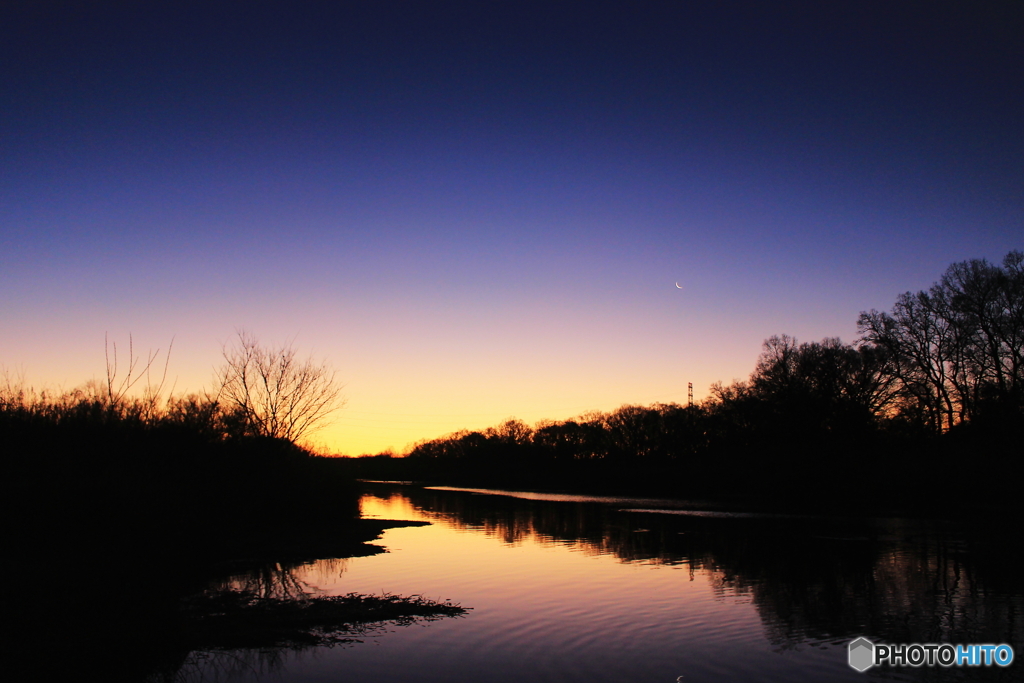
x=930, y=398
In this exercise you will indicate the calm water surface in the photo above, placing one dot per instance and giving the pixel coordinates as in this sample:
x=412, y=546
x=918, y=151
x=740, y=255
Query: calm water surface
x=566, y=588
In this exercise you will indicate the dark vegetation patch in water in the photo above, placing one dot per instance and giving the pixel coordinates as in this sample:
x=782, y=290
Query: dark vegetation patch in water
x=230, y=619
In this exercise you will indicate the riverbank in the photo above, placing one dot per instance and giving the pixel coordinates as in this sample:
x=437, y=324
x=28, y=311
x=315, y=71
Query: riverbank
x=112, y=523
x=955, y=476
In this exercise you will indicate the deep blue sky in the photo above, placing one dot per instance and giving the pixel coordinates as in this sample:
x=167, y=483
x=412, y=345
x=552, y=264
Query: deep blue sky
x=481, y=209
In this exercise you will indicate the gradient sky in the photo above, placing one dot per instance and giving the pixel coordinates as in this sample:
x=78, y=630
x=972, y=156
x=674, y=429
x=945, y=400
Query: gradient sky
x=480, y=210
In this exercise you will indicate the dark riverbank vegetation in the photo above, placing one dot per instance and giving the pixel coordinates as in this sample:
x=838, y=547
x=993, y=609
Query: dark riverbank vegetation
x=925, y=409
x=121, y=502
x=230, y=619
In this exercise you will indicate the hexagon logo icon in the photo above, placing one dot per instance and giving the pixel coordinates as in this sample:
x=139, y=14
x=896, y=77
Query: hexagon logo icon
x=862, y=654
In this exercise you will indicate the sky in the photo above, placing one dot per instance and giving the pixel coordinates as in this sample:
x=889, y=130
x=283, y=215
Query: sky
x=483, y=210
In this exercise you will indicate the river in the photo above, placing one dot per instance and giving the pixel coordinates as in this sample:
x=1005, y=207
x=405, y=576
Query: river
x=581, y=588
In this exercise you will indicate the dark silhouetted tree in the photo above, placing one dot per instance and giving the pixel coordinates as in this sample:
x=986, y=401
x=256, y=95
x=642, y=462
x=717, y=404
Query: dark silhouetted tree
x=828, y=382
x=960, y=345
x=273, y=392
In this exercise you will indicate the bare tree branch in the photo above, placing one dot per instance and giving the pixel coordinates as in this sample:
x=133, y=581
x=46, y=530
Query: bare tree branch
x=274, y=393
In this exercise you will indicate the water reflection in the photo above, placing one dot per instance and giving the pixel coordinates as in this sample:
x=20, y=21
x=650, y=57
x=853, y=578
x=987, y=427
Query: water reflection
x=280, y=581
x=812, y=580
x=217, y=666
x=592, y=589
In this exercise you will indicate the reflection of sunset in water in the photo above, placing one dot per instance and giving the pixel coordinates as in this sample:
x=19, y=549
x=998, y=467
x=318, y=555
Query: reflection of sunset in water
x=394, y=506
x=590, y=589
x=545, y=607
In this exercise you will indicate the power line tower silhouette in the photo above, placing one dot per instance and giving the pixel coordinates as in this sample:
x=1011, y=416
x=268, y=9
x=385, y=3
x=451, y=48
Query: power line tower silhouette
x=689, y=394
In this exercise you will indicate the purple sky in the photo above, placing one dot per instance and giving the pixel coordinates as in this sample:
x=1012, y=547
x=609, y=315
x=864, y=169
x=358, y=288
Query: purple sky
x=480, y=210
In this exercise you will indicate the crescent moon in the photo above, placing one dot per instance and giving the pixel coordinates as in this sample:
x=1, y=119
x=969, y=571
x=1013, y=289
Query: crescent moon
x=677, y=286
